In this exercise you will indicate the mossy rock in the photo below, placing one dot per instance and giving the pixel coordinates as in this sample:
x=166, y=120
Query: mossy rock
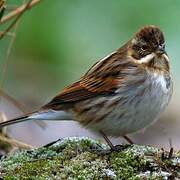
x=84, y=158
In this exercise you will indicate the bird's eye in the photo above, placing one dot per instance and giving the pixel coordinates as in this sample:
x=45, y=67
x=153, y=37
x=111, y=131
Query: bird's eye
x=144, y=47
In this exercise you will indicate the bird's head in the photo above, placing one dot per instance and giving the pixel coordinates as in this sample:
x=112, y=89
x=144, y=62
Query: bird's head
x=147, y=47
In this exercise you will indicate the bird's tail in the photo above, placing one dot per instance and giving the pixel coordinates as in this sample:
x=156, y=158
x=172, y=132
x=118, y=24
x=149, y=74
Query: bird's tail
x=39, y=115
x=14, y=121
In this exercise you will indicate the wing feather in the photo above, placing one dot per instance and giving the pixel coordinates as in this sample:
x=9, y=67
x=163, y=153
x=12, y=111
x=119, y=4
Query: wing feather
x=103, y=78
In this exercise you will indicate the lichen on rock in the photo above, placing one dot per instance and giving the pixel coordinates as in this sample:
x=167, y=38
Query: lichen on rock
x=84, y=158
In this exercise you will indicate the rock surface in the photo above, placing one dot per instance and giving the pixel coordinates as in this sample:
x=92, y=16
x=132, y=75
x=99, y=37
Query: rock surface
x=84, y=158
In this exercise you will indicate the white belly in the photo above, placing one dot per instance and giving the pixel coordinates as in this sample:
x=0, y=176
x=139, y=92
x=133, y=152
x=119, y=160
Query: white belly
x=136, y=109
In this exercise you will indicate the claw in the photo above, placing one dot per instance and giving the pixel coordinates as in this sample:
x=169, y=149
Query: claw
x=119, y=148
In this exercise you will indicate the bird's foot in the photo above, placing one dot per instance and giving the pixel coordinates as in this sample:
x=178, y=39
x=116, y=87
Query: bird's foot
x=119, y=147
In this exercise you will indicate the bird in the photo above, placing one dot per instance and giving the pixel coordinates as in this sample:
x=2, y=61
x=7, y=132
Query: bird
x=122, y=93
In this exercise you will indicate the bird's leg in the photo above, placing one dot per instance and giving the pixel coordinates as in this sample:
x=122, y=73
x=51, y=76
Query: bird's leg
x=107, y=140
x=117, y=147
x=128, y=139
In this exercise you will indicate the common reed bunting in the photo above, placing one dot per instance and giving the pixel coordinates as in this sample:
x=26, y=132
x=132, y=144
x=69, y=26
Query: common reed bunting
x=120, y=94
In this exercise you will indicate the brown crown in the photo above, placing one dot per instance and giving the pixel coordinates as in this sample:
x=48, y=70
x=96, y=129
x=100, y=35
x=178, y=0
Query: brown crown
x=151, y=34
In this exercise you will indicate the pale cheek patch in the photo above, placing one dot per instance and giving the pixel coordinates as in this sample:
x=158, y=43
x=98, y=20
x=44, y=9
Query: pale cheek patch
x=145, y=59
x=166, y=57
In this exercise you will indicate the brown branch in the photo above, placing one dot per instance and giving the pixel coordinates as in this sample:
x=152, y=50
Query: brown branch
x=14, y=101
x=18, y=11
x=11, y=34
x=15, y=20
x=15, y=142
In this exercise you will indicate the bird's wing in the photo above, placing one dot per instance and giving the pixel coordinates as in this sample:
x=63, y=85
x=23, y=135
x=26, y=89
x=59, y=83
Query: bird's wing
x=103, y=78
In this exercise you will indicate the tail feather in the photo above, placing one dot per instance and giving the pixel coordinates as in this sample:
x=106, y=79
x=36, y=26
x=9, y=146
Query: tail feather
x=13, y=121
x=41, y=115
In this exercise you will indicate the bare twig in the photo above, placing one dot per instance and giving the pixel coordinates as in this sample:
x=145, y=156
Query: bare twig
x=11, y=141
x=16, y=14
x=18, y=11
x=14, y=101
x=5, y=65
x=14, y=23
x=14, y=142
x=15, y=20
x=2, y=8
x=8, y=34
x=4, y=69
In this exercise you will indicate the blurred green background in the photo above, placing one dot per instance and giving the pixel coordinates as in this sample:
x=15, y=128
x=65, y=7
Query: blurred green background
x=57, y=41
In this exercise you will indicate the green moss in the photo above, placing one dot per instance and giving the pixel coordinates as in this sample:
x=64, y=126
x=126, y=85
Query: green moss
x=82, y=158
x=126, y=164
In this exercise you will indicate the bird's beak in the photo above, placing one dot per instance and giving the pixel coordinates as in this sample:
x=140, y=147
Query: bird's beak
x=161, y=50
